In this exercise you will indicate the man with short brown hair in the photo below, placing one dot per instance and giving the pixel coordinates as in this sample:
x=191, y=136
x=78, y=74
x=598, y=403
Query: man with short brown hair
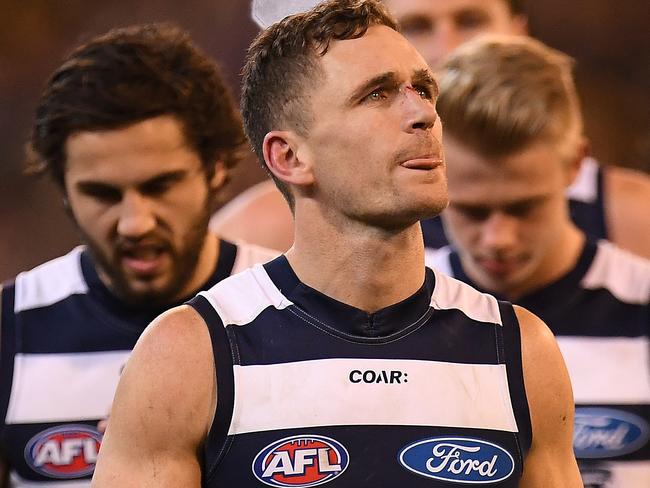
x=344, y=362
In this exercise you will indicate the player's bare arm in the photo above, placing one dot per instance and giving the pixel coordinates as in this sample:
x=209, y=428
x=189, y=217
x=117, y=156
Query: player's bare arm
x=626, y=209
x=550, y=462
x=163, y=408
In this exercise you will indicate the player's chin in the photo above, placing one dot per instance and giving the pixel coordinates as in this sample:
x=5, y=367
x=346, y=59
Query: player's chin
x=429, y=204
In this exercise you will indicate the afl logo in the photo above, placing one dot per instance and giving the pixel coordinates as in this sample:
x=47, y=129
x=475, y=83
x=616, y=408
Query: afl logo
x=458, y=460
x=301, y=461
x=64, y=452
x=606, y=432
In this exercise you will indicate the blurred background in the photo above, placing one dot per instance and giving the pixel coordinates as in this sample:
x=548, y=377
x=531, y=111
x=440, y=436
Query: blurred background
x=608, y=39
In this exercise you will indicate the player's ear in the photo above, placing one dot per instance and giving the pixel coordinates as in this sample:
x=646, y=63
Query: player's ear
x=282, y=157
x=219, y=176
x=575, y=161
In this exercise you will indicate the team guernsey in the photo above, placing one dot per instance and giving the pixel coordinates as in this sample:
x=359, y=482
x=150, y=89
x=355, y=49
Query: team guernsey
x=586, y=205
x=311, y=391
x=64, y=340
x=600, y=314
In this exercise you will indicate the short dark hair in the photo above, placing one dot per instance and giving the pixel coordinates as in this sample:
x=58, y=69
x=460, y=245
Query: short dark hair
x=128, y=75
x=283, y=62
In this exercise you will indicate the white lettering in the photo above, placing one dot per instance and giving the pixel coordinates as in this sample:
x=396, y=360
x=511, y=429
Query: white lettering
x=588, y=437
x=48, y=454
x=324, y=465
x=90, y=451
x=303, y=458
x=280, y=463
x=70, y=449
x=447, y=456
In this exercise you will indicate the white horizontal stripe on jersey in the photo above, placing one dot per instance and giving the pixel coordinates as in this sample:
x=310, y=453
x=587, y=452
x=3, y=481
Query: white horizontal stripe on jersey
x=625, y=275
x=450, y=293
x=608, y=370
x=627, y=474
x=64, y=387
x=320, y=393
x=18, y=482
x=50, y=282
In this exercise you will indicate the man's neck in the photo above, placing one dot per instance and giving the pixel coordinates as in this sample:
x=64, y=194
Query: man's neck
x=362, y=266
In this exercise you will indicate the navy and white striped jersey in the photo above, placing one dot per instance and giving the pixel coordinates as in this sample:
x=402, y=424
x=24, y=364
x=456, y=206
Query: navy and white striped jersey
x=600, y=313
x=312, y=391
x=64, y=340
x=586, y=206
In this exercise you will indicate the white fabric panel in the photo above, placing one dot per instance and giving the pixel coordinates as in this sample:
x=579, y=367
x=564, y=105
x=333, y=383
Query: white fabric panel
x=585, y=187
x=608, y=370
x=50, y=282
x=625, y=275
x=242, y=297
x=16, y=481
x=39, y=395
x=628, y=474
x=319, y=393
x=450, y=293
x=438, y=259
x=250, y=254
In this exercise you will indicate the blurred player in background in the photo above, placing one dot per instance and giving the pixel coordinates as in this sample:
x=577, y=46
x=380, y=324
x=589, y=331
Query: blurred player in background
x=513, y=143
x=139, y=131
x=607, y=202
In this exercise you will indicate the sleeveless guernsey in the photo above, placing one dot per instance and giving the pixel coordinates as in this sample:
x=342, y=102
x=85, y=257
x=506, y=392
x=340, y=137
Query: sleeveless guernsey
x=600, y=314
x=425, y=393
x=64, y=340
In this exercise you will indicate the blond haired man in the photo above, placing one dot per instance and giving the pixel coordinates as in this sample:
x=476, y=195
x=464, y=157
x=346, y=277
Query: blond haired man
x=513, y=142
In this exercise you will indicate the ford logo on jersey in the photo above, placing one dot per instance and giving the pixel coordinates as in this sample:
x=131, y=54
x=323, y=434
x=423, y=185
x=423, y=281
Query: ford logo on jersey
x=301, y=461
x=458, y=460
x=64, y=452
x=606, y=432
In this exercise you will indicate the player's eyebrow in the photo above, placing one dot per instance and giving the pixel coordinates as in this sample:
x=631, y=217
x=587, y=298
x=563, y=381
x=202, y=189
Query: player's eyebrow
x=424, y=77
x=389, y=78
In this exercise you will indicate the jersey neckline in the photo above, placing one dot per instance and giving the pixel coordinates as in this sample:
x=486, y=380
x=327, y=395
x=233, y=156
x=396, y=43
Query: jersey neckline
x=344, y=318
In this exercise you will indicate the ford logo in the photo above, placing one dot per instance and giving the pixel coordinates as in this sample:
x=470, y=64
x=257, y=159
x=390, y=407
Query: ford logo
x=606, y=432
x=458, y=460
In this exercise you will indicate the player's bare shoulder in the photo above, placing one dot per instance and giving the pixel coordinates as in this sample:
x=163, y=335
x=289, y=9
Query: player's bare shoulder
x=163, y=407
x=627, y=201
x=174, y=356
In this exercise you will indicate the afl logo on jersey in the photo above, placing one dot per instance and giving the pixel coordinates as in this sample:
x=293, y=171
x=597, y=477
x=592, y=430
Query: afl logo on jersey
x=301, y=461
x=458, y=460
x=64, y=452
x=606, y=432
